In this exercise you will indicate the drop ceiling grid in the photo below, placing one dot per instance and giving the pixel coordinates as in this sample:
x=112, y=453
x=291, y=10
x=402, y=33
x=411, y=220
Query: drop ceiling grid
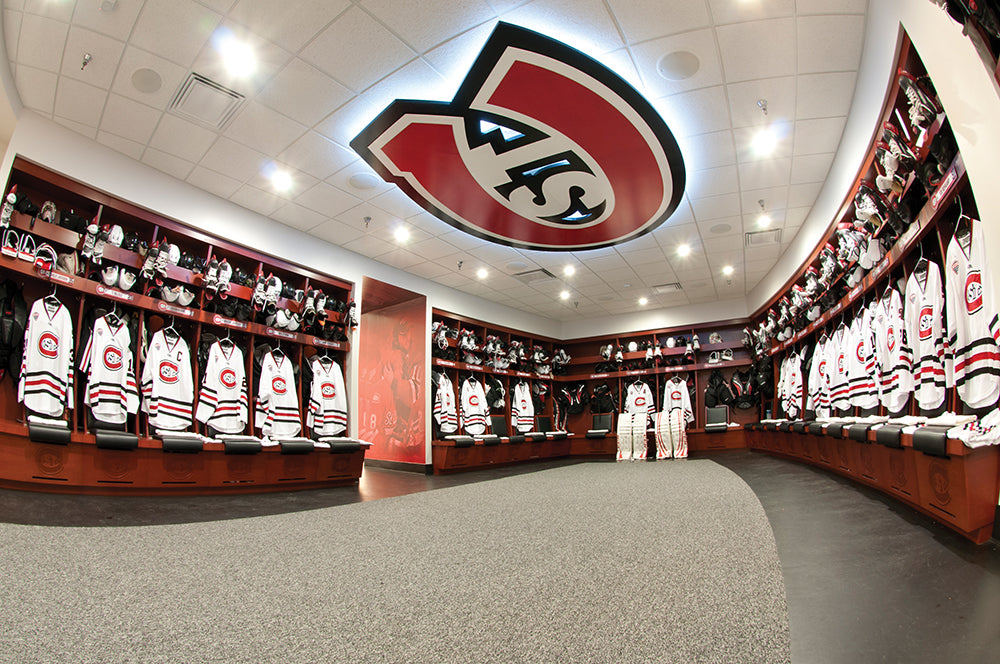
x=237, y=175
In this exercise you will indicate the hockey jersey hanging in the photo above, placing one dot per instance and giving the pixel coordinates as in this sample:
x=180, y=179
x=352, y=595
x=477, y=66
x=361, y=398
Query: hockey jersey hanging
x=327, y=414
x=639, y=399
x=818, y=385
x=893, y=359
x=277, y=401
x=46, y=383
x=167, y=382
x=112, y=393
x=473, y=415
x=445, y=413
x=223, y=403
x=522, y=410
x=673, y=419
x=973, y=327
x=923, y=314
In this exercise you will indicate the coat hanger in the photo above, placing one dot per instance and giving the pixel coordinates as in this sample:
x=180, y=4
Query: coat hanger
x=962, y=230
x=276, y=352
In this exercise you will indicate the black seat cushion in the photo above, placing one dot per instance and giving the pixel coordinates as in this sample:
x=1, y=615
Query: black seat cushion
x=517, y=438
x=171, y=444
x=816, y=428
x=345, y=445
x=889, y=435
x=296, y=446
x=116, y=440
x=834, y=430
x=491, y=440
x=536, y=436
x=243, y=446
x=858, y=432
x=43, y=433
x=931, y=440
x=771, y=426
x=463, y=441
x=559, y=435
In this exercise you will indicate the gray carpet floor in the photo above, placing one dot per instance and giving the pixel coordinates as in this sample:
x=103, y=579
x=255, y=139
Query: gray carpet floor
x=641, y=562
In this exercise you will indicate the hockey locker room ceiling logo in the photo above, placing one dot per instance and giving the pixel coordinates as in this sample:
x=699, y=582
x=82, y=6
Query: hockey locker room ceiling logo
x=542, y=148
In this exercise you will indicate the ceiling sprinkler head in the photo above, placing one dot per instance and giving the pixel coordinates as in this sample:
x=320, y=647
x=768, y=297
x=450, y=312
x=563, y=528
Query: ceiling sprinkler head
x=87, y=57
x=762, y=105
x=367, y=221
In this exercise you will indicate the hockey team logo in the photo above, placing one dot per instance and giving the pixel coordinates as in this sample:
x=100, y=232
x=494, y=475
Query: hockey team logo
x=925, y=323
x=860, y=352
x=675, y=395
x=48, y=345
x=822, y=367
x=473, y=400
x=278, y=385
x=228, y=378
x=640, y=401
x=973, y=292
x=841, y=365
x=113, y=358
x=327, y=390
x=169, y=372
x=890, y=338
x=542, y=147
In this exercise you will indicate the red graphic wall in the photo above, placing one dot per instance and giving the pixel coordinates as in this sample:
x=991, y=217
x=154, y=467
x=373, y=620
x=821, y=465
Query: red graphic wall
x=391, y=381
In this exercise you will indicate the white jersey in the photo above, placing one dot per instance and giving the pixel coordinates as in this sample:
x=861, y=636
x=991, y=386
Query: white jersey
x=107, y=361
x=474, y=410
x=277, y=401
x=223, y=403
x=46, y=383
x=327, y=414
x=639, y=399
x=861, y=384
x=818, y=396
x=923, y=315
x=522, y=410
x=892, y=352
x=791, y=381
x=973, y=327
x=676, y=396
x=445, y=412
x=836, y=362
x=167, y=383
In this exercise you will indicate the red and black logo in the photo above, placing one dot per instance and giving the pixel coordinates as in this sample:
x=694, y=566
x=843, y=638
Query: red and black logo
x=926, y=323
x=48, y=345
x=278, y=385
x=676, y=396
x=542, y=147
x=328, y=390
x=228, y=378
x=113, y=358
x=473, y=400
x=169, y=372
x=973, y=292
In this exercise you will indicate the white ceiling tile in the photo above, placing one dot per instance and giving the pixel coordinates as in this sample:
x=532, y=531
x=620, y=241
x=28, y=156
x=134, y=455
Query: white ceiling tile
x=428, y=270
x=369, y=245
x=824, y=95
x=716, y=207
x=256, y=199
x=830, y=6
x=117, y=24
x=304, y=93
x=174, y=29
x=644, y=257
x=129, y=119
x=79, y=102
x=695, y=112
x=803, y=195
x=722, y=227
x=744, y=137
x=432, y=249
x=37, y=88
x=269, y=59
x=830, y=43
x=462, y=240
x=221, y=185
x=811, y=168
x=356, y=50
x=399, y=258
x=453, y=280
x=336, y=232
x=123, y=145
x=778, y=92
x=348, y=178
x=724, y=250
x=761, y=49
x=297, y=216
x=819, y=135
x=221, y=6
x=583, y=24
x=764, y=174
x=135, y=59
x=299, y=181
x=260, y=128
x=795, y=216
x=396, y=203
x=699, y=42
x=61, y=11
x=168, y=163
x=41, y=42
x=708, y=150
x=378, y=220
x=181, y=138
x=734, y=11
x=289, y=24
x=427, y=23
x=16, y=5
x=317, y=155
x=711, y=182
x=11, y=32
x=641, y=20
x=454, y=58
x=105, y=55
x=327, y=199
x=235, y=159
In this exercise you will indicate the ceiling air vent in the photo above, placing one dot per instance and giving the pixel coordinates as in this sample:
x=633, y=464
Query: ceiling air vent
x=763, y=238
x=206, y=102
x=667, y=288
x=535, y=277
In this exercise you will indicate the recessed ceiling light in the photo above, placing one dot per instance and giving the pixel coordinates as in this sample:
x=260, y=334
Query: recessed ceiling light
x=569, y=270
x=719, y=229
x=237, y=55
x=146, y=80
x=482, y=273
x=764, y=220
x=643, y=301
x=684, y=250
x=564, y=295
x=678, y=65
x=764, y=142
x=402, y=234
x=364, y=181
x=728, y=270
x=281, y=180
